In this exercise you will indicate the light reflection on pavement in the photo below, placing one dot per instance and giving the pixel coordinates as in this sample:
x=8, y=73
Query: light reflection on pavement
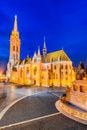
x=13, y=93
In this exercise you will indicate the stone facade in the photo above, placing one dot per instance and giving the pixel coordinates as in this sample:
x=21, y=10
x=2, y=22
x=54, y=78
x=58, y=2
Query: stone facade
x=81, y=72
x=49, y=69
x=78, y=94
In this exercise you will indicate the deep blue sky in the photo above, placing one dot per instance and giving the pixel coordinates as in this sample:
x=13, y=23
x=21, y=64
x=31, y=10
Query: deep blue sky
x=63, y=22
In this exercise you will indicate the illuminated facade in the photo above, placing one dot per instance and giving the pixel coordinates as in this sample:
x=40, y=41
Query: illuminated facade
x=78, y=94
x=49, y=69
x=14, y=49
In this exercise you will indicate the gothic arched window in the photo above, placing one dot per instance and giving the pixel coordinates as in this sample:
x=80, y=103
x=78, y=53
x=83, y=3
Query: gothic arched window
x=21, y=72
x=13, y=48
x=14, y=56
x=61, y=66
x=17, y=48
x=35, y=71
x=27, y=72
x=66, y=66
x=17, y=56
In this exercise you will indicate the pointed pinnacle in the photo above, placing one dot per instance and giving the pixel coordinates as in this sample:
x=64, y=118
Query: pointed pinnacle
x=15, y=24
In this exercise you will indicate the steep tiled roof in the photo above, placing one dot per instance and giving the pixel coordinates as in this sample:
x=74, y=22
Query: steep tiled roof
x=54, y=56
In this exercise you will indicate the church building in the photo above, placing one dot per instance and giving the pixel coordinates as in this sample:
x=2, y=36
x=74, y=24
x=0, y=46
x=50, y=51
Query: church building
x=48, y=69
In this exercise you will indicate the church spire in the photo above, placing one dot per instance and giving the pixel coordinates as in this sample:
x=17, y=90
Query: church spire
x=35, y=54
x=38, y=51
x=44, y=50
x=44, y=43
x=15, y=24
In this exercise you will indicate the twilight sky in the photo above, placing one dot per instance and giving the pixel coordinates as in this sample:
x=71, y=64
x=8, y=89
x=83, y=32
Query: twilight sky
x=63, y=22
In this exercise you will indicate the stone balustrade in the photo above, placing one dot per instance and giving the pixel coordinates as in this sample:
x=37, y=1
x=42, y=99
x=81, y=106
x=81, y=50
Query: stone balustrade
x=72, y=111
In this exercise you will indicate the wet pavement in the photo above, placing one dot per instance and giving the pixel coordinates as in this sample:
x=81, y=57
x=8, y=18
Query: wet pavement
x=14, y=93
x=36, y=106
x=31, y=107
x=56, y=122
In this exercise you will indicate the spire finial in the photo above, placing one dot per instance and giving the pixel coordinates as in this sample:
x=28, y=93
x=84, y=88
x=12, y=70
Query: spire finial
x=15, y=24
x=44, y=38
x=44, y=43
x=38, y=51
x=35, y=54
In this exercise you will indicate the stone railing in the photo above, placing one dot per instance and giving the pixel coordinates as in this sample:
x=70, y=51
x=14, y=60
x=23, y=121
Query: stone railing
x=72, y=111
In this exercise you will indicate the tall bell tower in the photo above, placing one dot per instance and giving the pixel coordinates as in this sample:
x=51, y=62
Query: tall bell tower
x=44, y=50
x=14, y=44
x=14, y=48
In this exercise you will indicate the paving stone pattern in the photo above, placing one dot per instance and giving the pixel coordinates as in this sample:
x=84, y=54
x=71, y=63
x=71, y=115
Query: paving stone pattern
x=31, y=107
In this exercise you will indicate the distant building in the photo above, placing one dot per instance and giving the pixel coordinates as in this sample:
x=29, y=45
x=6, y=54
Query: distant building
x=81, y=72
x=2, y=77
x=49, y=69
